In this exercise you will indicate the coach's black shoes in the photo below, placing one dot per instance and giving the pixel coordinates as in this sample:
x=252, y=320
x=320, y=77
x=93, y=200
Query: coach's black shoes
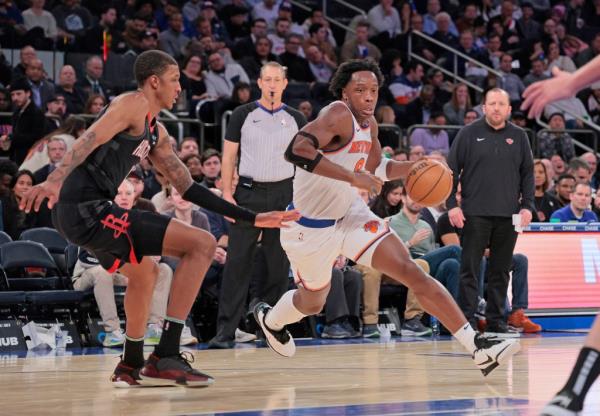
x=280, y=341
x=125, y=377
x=491, y=352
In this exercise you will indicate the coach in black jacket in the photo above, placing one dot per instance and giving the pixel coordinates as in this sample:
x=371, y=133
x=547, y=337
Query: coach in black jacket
x=491, y=159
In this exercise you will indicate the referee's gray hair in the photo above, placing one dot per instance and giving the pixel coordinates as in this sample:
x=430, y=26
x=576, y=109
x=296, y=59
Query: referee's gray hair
x=274, y=64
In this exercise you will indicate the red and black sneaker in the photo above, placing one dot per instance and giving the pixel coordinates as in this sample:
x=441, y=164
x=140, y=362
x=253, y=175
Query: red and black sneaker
x=125, y=377
x=174, y=370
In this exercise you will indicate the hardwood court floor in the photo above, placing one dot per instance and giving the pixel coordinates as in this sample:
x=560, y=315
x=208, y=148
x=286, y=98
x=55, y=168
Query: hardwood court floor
x=421, y=377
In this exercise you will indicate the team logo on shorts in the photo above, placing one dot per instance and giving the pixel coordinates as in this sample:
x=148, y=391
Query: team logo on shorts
x=509, y=141
x=371, y=226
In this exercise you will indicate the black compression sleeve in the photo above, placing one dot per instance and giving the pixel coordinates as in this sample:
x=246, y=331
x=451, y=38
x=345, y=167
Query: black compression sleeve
x=205, y=198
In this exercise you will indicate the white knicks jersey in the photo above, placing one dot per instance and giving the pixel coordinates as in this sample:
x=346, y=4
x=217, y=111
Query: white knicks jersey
x=316, y=196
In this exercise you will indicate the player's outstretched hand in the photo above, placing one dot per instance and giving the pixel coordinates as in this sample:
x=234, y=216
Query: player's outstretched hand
x=34, y=197
x=541, y=93
x=370, y=183
x=276, y=219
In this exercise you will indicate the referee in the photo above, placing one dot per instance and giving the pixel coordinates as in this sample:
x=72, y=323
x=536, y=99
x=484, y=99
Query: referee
x=492, y=160
x=259, y=132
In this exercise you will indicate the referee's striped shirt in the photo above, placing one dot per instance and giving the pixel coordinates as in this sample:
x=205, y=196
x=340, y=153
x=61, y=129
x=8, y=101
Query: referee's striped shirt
x=263, y=137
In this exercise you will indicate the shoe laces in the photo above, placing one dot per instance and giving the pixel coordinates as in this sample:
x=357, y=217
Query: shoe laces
x=186, y=357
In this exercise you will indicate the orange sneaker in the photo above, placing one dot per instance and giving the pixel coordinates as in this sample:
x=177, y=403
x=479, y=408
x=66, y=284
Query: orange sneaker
x=519, y=320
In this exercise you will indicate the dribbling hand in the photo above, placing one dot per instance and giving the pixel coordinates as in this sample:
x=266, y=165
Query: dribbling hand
x=370, y=183
x=34, y=197
x=275, y=219
x=538, y=94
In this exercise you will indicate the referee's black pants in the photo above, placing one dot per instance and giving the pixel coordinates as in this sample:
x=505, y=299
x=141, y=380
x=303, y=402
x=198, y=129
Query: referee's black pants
x=243, y=237
x=499, y=235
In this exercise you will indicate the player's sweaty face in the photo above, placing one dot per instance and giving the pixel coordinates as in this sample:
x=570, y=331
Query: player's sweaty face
x=170, y=85
x=362, y=92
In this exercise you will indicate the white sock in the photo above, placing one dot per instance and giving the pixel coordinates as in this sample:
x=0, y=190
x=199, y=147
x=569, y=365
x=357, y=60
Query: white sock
x=466, y=336
x=284, y=312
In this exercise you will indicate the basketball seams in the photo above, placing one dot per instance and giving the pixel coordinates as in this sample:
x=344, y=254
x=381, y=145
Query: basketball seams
x=418, y=177
x=434, y=186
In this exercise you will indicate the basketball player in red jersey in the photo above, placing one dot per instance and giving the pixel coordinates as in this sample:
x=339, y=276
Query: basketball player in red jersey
x=81, y=191
x=337, y=153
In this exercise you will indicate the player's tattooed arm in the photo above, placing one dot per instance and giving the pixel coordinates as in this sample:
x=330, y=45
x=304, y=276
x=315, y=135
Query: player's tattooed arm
x=168, y=163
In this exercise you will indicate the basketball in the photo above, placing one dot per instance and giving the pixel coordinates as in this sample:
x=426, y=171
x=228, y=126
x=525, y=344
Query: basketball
x=429, y=182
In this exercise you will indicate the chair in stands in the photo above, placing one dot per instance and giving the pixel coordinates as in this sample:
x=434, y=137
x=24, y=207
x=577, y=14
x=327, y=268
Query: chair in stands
x=24, y=262
x=4, y=238
x=53, y=241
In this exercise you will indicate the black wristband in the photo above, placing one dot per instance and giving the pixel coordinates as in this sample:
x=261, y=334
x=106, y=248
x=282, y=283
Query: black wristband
x=205, y=198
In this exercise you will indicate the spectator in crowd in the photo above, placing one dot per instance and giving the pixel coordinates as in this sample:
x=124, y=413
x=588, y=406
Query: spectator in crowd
x=442, y=89
x=16, y=221
x=8, y=169
x=192, y=81
x=538, y=72
x=208, y=12
x=221, y=78
x=342, y=307
x=360, y=47
x=135, y=26
x=590, y=53
x=318, y=17
x=578, y=208
x=494, y=52
x=429, y=19
x=188, y=146
x=545, y=203
x=245, y=46
x=443, y=33
x=236, y=21
x=92, y=82
x=580, y=169
x=464, y=67
x=260, y=137
x=455, y=109
x=555, y=59
x=318, y=36
x=210, y=161
x=297, y=65
x=89, y=274
x=26, y=55
x=27, y=122
x=94, y=104
x=191, y=10
x=36, y=16
x=593, y=103
x=573, y=111
x=408, y=86
x=282, y=31
x=384, y=21
x=556, y=142
x=194, y=165
x=262, y=54
x=56, y=109
x=565, y=184
x=37, y=157
x=389, y=200
x=592, y=161
x=509, y=81
x=419, y=45
x=419, y=238
x=74, y=95
x=172, y=40
x=518, y=118
x=489, y=201
x=72, y=18
x=468, y=18
x=470, y=116
x=104, y=28
x=306, y=108
x=241, y=95
x=528, y=28
x=41, y=89
x=267, y=10
x=319, y=63
x=136, y=176
x=416, y=153
x=434, y=137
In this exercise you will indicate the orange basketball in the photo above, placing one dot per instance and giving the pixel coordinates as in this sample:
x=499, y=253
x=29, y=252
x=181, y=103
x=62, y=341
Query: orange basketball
x=429, y=182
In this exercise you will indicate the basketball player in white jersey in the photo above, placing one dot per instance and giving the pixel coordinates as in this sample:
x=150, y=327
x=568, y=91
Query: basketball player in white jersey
x=338, y=153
